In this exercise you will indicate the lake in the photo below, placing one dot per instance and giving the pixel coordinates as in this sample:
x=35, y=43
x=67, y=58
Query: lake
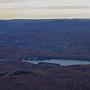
x=61, y=62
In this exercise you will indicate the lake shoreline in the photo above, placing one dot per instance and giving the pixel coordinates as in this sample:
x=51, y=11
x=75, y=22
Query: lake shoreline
x=60, y=62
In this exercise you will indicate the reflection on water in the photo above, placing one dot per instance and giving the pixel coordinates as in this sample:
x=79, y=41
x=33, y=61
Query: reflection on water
x=61, y=62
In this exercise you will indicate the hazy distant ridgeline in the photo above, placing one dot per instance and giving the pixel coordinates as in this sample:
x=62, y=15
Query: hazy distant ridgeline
x=45, y=25
x=68, y=38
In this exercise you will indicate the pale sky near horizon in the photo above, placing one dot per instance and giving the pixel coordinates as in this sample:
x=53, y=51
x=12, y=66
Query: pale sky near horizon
x=38, y=9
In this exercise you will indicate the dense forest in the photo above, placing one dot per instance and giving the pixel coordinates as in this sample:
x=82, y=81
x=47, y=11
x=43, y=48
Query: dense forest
x=64, y=38
x=27, y=76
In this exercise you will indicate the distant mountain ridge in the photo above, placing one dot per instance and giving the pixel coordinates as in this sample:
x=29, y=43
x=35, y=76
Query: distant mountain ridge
x=45, y=25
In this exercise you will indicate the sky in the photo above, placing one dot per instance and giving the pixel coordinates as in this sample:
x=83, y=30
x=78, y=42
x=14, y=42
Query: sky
x=44, y=9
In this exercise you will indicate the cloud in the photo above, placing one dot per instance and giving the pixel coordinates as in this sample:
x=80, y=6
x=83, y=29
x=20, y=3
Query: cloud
x=44, y=8
x=12, y=0
x=42, y=4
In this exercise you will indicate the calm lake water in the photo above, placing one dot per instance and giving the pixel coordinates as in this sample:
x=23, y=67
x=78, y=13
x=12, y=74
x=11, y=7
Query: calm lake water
x=61, y=62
